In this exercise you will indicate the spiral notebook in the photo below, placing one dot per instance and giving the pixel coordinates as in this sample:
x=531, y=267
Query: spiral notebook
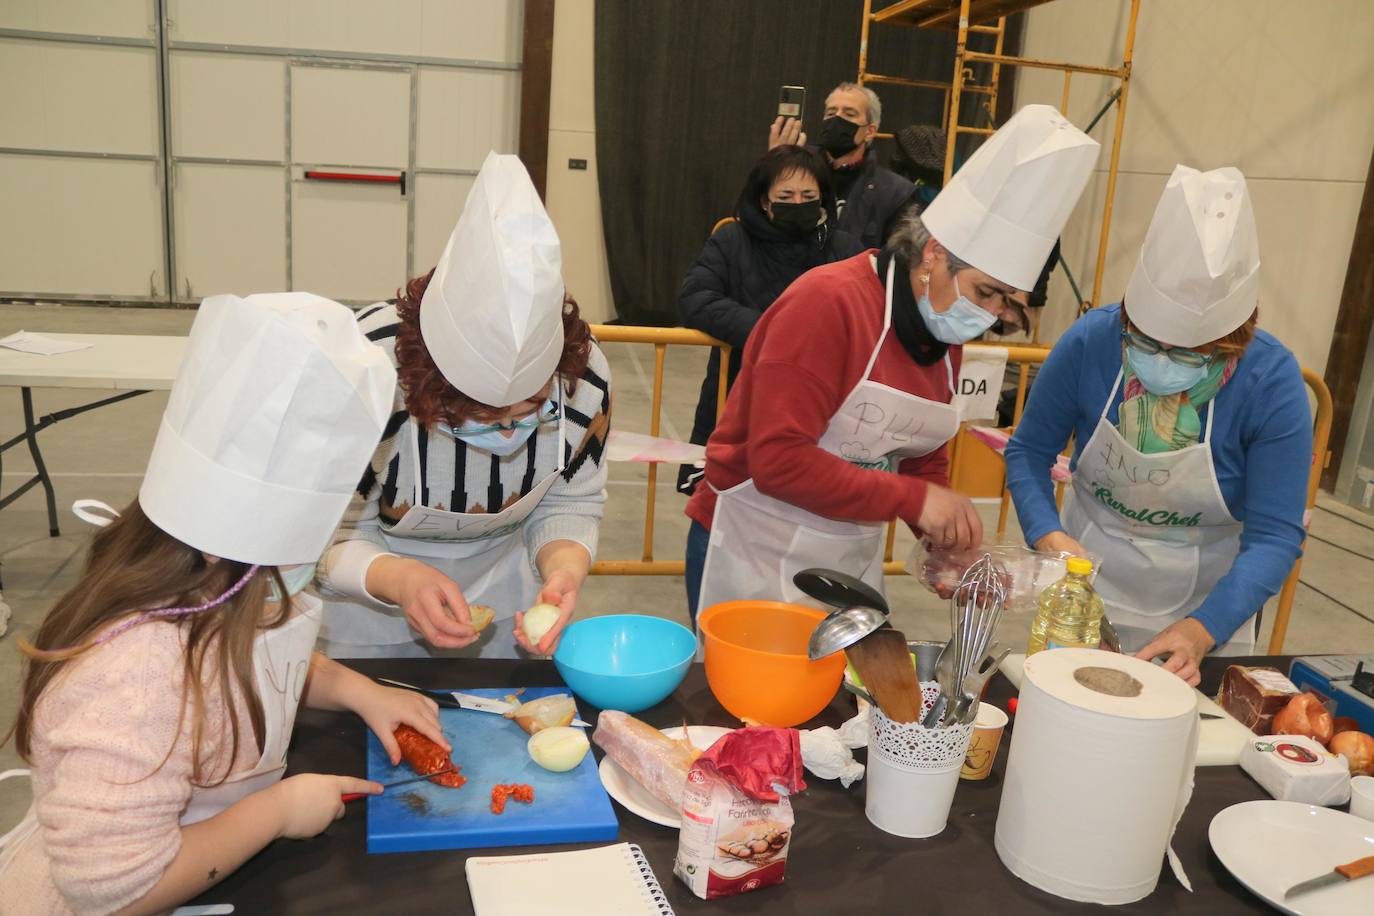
x=607, y=881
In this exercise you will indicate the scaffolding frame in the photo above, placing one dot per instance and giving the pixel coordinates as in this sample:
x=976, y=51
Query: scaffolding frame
x=972, y=18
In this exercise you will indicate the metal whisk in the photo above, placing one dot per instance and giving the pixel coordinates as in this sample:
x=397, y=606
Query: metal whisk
x=975, y=609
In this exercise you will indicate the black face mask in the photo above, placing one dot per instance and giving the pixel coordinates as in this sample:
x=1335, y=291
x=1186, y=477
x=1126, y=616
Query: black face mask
x=796, y=220
x=837, y=136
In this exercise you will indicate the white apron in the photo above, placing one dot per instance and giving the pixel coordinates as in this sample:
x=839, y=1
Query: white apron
x=281, y=660
x=483, y=552
x=1161, y=527
x=758, y=543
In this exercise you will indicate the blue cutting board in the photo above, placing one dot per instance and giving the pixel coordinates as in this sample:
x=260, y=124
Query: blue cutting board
x=568, y=807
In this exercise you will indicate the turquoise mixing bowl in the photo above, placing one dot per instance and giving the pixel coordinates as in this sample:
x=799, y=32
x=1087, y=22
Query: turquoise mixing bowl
x=627, y=662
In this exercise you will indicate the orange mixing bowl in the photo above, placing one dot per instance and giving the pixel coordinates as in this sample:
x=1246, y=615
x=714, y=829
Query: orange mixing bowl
x=756, y=661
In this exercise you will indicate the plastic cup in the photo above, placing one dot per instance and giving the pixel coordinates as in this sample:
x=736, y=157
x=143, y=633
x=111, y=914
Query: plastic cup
x=1362, y=797
x=987, y=736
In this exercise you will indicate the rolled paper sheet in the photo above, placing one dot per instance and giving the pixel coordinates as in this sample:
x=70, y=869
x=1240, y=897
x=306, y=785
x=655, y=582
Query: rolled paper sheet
x=1099, y=773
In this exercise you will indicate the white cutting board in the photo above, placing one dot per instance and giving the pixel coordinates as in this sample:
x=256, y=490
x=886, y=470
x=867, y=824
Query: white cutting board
x=1219, y=742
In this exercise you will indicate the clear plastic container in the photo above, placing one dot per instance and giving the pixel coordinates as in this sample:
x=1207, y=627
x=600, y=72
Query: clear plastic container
x=1070, y=612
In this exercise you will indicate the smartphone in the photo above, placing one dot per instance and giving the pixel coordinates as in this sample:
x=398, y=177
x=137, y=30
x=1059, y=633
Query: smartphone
x=791, y=101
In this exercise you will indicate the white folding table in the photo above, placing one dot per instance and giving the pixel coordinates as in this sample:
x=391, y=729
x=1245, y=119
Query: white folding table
x=131, y=363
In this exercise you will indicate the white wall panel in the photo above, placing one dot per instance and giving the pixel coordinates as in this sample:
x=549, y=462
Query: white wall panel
x=242, y=22
x=574, y=203
x=78, y=97
x=348, y=241
x=463, y=115
x=230, y=229
x=355, y=25
x=438, y=202
x=115, y=18
x=350, y=117
x=490, y=30
x=80, y=226
x=228, y=106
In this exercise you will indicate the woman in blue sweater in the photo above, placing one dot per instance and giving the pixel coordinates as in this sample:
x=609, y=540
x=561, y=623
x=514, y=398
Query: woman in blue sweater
x=1193, y=437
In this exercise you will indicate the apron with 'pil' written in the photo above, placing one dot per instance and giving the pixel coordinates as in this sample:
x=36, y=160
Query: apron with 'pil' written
x=483, y=552
x=1161, y=527
x=758, y=543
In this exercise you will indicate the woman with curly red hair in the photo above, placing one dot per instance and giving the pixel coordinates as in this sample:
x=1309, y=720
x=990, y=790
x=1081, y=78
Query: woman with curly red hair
x=488, y=487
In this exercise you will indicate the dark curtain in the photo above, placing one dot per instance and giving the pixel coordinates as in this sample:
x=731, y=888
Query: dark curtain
x=685, y=91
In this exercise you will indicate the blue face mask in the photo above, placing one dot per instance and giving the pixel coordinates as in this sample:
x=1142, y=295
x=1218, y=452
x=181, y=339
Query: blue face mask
x=296, y=579
x=1161, y=375
x=492, y=438
x=958, y=324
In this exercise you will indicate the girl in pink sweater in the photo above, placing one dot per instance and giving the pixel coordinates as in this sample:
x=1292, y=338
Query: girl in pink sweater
x=159, y=693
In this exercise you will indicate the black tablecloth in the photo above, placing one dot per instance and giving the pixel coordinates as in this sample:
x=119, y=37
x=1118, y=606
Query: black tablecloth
x=839, y=862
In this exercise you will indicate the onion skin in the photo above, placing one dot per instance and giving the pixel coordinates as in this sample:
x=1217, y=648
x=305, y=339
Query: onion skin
x=1358, y=750
x=1305, y=715
x=545, y=712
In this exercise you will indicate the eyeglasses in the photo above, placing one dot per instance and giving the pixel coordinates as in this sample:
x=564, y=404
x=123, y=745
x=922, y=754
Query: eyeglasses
x=1184, y=357
x=531, y=422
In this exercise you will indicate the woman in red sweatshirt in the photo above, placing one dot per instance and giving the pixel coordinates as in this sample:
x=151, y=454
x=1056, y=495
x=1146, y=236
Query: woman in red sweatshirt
x=841, y=412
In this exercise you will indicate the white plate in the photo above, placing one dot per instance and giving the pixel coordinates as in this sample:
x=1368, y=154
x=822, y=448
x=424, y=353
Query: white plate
x=1272, y=845
x=624, y=789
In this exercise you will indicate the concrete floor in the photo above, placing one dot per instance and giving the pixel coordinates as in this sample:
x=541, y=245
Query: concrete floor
x=102, y=454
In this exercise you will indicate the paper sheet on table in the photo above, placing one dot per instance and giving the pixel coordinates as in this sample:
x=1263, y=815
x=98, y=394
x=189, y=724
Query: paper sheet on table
x=623, y=446
x=25, y=342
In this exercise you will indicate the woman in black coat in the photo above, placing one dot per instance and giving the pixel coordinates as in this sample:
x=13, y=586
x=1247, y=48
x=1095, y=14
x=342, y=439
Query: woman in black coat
x=784, y=226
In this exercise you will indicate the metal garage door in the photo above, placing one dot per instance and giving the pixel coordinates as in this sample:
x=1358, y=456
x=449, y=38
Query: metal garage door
x=309, y=144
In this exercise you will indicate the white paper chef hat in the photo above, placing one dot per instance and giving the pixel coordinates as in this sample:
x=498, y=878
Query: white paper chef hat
x=492, y=316
x=1197, y=278
x=1004, y=208
x=279, y=404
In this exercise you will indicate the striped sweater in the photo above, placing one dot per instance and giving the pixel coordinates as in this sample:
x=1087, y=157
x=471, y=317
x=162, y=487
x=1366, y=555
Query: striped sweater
x=454, y=477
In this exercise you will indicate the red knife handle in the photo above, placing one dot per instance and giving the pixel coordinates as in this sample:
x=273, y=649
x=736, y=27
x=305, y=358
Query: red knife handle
x=1357, y=869
x=354, y=796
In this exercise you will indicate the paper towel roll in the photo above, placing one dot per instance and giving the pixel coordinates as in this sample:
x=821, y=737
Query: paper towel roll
x=1100, y=770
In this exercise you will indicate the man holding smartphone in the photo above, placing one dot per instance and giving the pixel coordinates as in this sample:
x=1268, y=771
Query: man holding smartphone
x=869, y=197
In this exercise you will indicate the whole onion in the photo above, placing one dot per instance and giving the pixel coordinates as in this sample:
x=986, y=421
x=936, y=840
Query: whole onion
x=1358, y=750
x=1305, y=715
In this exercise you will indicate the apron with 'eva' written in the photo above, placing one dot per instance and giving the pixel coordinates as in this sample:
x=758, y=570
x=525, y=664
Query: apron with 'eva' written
x=483, y=552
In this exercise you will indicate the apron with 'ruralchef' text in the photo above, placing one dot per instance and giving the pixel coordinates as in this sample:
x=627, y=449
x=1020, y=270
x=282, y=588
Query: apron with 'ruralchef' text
x=483, y=552
x=1161, y=527
x=758, y=543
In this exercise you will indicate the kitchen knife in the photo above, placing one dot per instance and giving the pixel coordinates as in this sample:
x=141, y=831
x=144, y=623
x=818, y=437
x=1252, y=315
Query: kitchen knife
x=1339, y=875
x=354, y=796
x=455, y=699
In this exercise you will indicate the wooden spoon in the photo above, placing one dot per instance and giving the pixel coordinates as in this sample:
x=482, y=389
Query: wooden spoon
x=883, y=661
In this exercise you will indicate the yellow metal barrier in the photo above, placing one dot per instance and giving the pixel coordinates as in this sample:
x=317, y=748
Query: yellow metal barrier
x=1023, y=356
x=661, y=339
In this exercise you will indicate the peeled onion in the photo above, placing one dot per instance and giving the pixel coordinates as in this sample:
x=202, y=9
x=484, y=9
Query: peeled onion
x=545, y=712
x=1305, y=715
x=558, y=749
x=1358, y=750
x=539, y=620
